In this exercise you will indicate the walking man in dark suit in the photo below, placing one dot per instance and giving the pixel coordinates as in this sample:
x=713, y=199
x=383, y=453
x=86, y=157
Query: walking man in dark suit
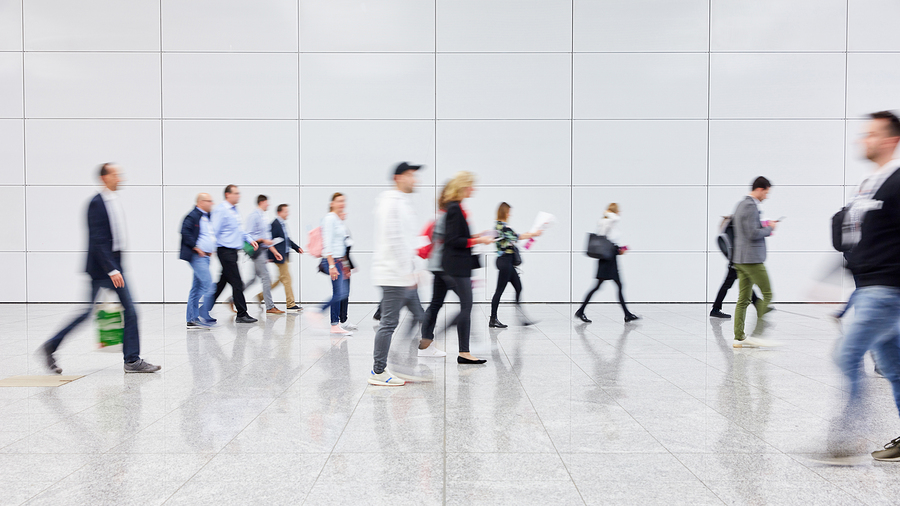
x=197, y=244
x=282, y=252
x=106, y=240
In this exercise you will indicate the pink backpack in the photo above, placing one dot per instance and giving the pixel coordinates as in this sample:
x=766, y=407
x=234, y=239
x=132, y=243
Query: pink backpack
x=314, y=246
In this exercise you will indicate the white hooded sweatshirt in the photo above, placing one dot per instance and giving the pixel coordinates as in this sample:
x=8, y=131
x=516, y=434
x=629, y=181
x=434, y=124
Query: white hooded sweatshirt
x=395, y=240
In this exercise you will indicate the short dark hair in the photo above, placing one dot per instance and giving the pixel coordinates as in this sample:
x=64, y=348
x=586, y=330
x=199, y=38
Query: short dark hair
x=230, y=188
x=260, y=199
x=761, y=182
x=280, y=207
x=104, y=169
x=893, y=121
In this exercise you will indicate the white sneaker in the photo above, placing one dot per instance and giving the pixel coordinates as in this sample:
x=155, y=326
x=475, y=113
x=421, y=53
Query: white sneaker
x=336, y=329
x=385, y=379
x=764, y=343
x=432, y=352
x=349, y=326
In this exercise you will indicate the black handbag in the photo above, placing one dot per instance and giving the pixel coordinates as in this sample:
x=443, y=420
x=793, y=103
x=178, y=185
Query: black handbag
x=476, y=262
x=600, y=247
x=516, y=256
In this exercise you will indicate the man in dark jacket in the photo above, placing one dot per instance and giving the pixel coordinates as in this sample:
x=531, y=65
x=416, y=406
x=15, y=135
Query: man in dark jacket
x=873, y=223
x=106, y=240
x=197, y=244
x=283, y=249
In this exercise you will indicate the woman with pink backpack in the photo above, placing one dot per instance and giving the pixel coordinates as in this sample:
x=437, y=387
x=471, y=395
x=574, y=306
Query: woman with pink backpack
x=333, y=249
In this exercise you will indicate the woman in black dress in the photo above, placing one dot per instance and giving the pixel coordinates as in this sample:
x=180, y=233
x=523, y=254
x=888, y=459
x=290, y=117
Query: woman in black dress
x=608, y=269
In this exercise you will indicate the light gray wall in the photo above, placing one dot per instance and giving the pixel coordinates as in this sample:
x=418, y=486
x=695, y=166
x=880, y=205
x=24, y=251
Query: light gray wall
x=668, y=107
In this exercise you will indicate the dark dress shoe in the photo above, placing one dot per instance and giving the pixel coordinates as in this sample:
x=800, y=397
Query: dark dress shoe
x=719, y=314
x=581, y=317
x=245, y=319
x=50, y=361
x=630, y=317
x=496, y=324
x=461, y=360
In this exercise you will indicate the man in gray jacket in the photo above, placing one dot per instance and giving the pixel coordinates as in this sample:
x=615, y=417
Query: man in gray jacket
x=749, y=254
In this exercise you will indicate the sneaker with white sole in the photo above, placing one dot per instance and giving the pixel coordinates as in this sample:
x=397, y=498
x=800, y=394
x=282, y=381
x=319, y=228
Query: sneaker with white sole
x=349, y=326
x=891, y=452
x=385, y=379
x=755, y=342
x=337, y=329
x=432, y=352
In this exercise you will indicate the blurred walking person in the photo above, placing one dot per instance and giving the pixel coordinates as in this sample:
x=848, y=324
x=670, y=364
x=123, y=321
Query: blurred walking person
x=348, y=269
x=197, y=245
x=106, y=241
x=872, y=232
x=608, y=269
x=393, y=268
x=334, y=248
x=457, y=263
x=749, y=254
x=508, y=259
x=728, y=250
x=260, y=229
x=279, y=230
x=230, y=238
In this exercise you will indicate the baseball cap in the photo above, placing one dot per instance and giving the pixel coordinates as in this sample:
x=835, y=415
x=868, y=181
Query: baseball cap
x=403, y=167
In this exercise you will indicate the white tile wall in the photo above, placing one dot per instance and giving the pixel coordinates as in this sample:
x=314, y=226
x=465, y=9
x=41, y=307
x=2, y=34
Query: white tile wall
x=871, y=25
x=776, y=85
x=641, y=25
x=92, y=85
x=229, y=25
x=92, y=25
x=10, y=25
x=504, y=25
x=668, y=107
x=363, y=26
x=377, y=147
x=230, y=86
x=647, y=86
x=774, y=25
x=367, y=86
x=69, y=151
x=223, y=152
x=505, y=152
x=12, y=151
x=11, y=92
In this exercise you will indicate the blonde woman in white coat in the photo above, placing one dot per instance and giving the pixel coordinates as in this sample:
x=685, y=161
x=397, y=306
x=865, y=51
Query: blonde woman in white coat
x=608, y=269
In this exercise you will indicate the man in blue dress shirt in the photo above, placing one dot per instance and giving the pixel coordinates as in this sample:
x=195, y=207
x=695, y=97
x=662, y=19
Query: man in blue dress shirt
x=230, y=238
x=106, y=240
x=197, y=244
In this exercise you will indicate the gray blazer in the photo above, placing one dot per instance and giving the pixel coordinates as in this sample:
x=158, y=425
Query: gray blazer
x=749, y=234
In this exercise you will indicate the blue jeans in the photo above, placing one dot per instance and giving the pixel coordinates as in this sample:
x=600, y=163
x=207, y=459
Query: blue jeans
x=339, y=291
x=877, y=328
x=202, y=286
x=131, y=343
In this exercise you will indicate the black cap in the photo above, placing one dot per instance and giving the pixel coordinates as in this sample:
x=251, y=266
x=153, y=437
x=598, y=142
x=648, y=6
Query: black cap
x=403, y=167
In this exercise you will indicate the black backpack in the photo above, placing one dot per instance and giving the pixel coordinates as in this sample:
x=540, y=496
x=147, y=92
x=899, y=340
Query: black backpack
x=726, y=238
x=837, y=231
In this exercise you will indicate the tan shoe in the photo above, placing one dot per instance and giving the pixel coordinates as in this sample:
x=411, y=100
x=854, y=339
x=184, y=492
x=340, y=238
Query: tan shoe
x=274, y=310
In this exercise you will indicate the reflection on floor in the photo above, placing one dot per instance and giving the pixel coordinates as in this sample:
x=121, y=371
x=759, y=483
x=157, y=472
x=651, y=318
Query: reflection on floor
x=663, y=411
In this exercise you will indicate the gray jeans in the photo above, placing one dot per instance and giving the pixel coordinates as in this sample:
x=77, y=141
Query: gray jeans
x=394, y=299
x=260, y=264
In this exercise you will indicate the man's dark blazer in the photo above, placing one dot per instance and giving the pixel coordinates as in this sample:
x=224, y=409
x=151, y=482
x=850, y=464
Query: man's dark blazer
x=101, y=259
x=190, y=232
x=282, y=247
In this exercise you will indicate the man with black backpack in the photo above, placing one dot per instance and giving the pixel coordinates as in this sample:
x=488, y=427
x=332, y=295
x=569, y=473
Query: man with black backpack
x=726, y=245
x=749, y=254
x=871, y=233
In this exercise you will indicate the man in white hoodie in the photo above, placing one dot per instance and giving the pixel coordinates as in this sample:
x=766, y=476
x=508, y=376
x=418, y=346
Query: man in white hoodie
x=393, y=268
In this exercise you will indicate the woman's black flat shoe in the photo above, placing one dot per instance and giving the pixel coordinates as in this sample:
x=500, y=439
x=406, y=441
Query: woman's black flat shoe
x=631, y=317
x=583, y=318
x=462, y=360
x=496, y=324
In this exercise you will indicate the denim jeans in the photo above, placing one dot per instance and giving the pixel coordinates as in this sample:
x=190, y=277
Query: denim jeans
x=131, y=343
x=877, y=328
x=202, y=286
x=339, y=292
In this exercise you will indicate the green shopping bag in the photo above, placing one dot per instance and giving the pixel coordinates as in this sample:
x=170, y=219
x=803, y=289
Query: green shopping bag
x=110, y=323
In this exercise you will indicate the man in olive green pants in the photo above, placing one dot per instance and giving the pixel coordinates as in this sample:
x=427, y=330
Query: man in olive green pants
x=748, y=257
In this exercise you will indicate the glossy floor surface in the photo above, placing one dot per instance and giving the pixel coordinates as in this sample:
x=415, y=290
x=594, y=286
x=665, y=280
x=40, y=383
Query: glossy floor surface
x=662, y=411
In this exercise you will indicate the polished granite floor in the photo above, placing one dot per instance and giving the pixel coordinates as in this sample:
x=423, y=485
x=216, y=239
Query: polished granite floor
x=663, y=411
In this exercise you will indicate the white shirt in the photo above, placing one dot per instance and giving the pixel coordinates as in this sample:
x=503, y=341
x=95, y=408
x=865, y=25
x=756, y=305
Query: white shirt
x=607, y=226
x=864, y=202
x=116, y=218
x=395, y=240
